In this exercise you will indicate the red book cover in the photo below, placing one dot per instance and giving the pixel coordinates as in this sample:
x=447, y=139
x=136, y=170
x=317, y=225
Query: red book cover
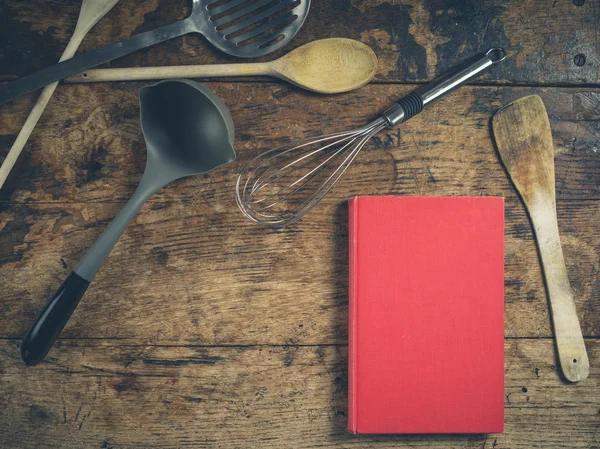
x=426, y=315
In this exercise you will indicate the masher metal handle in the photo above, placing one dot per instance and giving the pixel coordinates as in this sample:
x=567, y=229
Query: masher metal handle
x=413, y=103
x=93, y=58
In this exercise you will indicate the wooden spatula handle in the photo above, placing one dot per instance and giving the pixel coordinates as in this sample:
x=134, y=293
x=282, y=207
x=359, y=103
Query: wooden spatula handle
x=569, y=339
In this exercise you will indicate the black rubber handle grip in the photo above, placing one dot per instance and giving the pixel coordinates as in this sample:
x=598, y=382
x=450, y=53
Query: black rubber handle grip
x=52, y=320
x=412, y=104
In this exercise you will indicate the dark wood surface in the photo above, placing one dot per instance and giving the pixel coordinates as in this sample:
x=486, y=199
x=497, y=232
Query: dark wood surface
x=203, y=330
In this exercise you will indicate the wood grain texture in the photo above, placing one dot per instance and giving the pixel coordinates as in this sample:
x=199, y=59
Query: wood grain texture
x=91, y=12
x=196, y=271
x=414, y=39
x=94, y=151
x=114, y=395
x=203, y=258
x=191, y=271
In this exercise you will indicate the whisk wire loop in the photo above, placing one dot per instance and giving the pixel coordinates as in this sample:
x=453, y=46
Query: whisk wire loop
x=281, y=185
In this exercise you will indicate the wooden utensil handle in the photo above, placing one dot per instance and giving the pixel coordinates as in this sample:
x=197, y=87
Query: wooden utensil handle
x=180, y=71
x=38, y=109
x=92, y=58
x=569, y=339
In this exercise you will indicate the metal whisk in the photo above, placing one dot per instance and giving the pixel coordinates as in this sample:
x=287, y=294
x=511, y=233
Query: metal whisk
x=282, y=185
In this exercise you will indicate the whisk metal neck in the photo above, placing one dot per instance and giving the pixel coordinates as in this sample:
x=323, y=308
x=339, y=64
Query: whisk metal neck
x=413, y=103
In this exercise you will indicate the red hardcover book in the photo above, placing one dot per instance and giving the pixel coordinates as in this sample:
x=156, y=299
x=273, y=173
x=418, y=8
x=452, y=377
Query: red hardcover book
x=426, y=324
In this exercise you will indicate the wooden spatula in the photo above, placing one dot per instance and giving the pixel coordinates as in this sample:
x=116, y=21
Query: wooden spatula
x=524, y=141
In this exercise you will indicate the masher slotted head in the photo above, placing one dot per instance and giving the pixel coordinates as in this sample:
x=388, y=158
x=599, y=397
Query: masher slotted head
x=249, y=28
x=245, y=28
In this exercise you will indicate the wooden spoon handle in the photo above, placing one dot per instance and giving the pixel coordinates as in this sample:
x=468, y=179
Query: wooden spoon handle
x=569, y=339
x=170, y=72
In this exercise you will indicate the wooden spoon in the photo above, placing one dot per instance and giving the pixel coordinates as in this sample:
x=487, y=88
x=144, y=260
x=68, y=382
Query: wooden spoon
x=91, y=12
x=524, y=140
x=326, y=66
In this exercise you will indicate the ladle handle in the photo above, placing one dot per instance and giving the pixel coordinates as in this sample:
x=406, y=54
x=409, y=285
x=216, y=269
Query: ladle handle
x=57, y=312
x=92, y=58
x=413, y=103
x=53, y=319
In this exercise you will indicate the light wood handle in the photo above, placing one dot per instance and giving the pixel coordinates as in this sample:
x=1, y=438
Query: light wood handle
x=91, y=12
x=36, y=113
x=170, y=72
x=569, y=339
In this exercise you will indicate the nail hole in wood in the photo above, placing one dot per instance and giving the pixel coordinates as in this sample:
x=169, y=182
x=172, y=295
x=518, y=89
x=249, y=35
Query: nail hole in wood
x=579, y=60
x=574, y=360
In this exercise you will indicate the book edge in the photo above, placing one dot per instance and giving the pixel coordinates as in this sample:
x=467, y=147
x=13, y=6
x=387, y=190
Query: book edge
x=352, y=248
x=498, y=201
x=502, y=205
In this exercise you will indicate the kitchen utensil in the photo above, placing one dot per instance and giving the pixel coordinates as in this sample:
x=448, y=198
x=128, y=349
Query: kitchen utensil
x=188, y=131
x=281, y=185
x=326, y=66
x=91, y=12
x=245, y=28
x=524, y=141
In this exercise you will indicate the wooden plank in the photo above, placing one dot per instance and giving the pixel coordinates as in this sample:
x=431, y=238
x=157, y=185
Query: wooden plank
x=113, y=395
x=195, y=270
x=414, y=40
x=94, y=150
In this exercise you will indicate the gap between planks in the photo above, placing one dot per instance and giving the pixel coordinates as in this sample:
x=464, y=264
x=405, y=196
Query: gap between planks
x=270, y=80
x=131, y=342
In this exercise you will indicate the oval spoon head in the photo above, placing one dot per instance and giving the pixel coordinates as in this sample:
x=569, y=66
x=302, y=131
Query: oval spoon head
x=328, y=66
x=188, y=129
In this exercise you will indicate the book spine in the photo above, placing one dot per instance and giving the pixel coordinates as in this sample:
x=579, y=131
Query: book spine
x=502, y=234
x=352, y=278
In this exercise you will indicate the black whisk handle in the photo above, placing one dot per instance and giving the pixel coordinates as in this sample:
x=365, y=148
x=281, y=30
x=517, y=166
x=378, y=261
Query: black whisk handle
x=407, y=107
x=413, y=103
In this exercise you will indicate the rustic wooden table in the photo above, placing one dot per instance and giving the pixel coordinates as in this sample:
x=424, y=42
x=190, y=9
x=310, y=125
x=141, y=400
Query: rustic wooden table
x=204, y=330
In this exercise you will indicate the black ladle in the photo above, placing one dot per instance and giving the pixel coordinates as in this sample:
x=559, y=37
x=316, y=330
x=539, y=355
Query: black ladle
x=188, y=131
